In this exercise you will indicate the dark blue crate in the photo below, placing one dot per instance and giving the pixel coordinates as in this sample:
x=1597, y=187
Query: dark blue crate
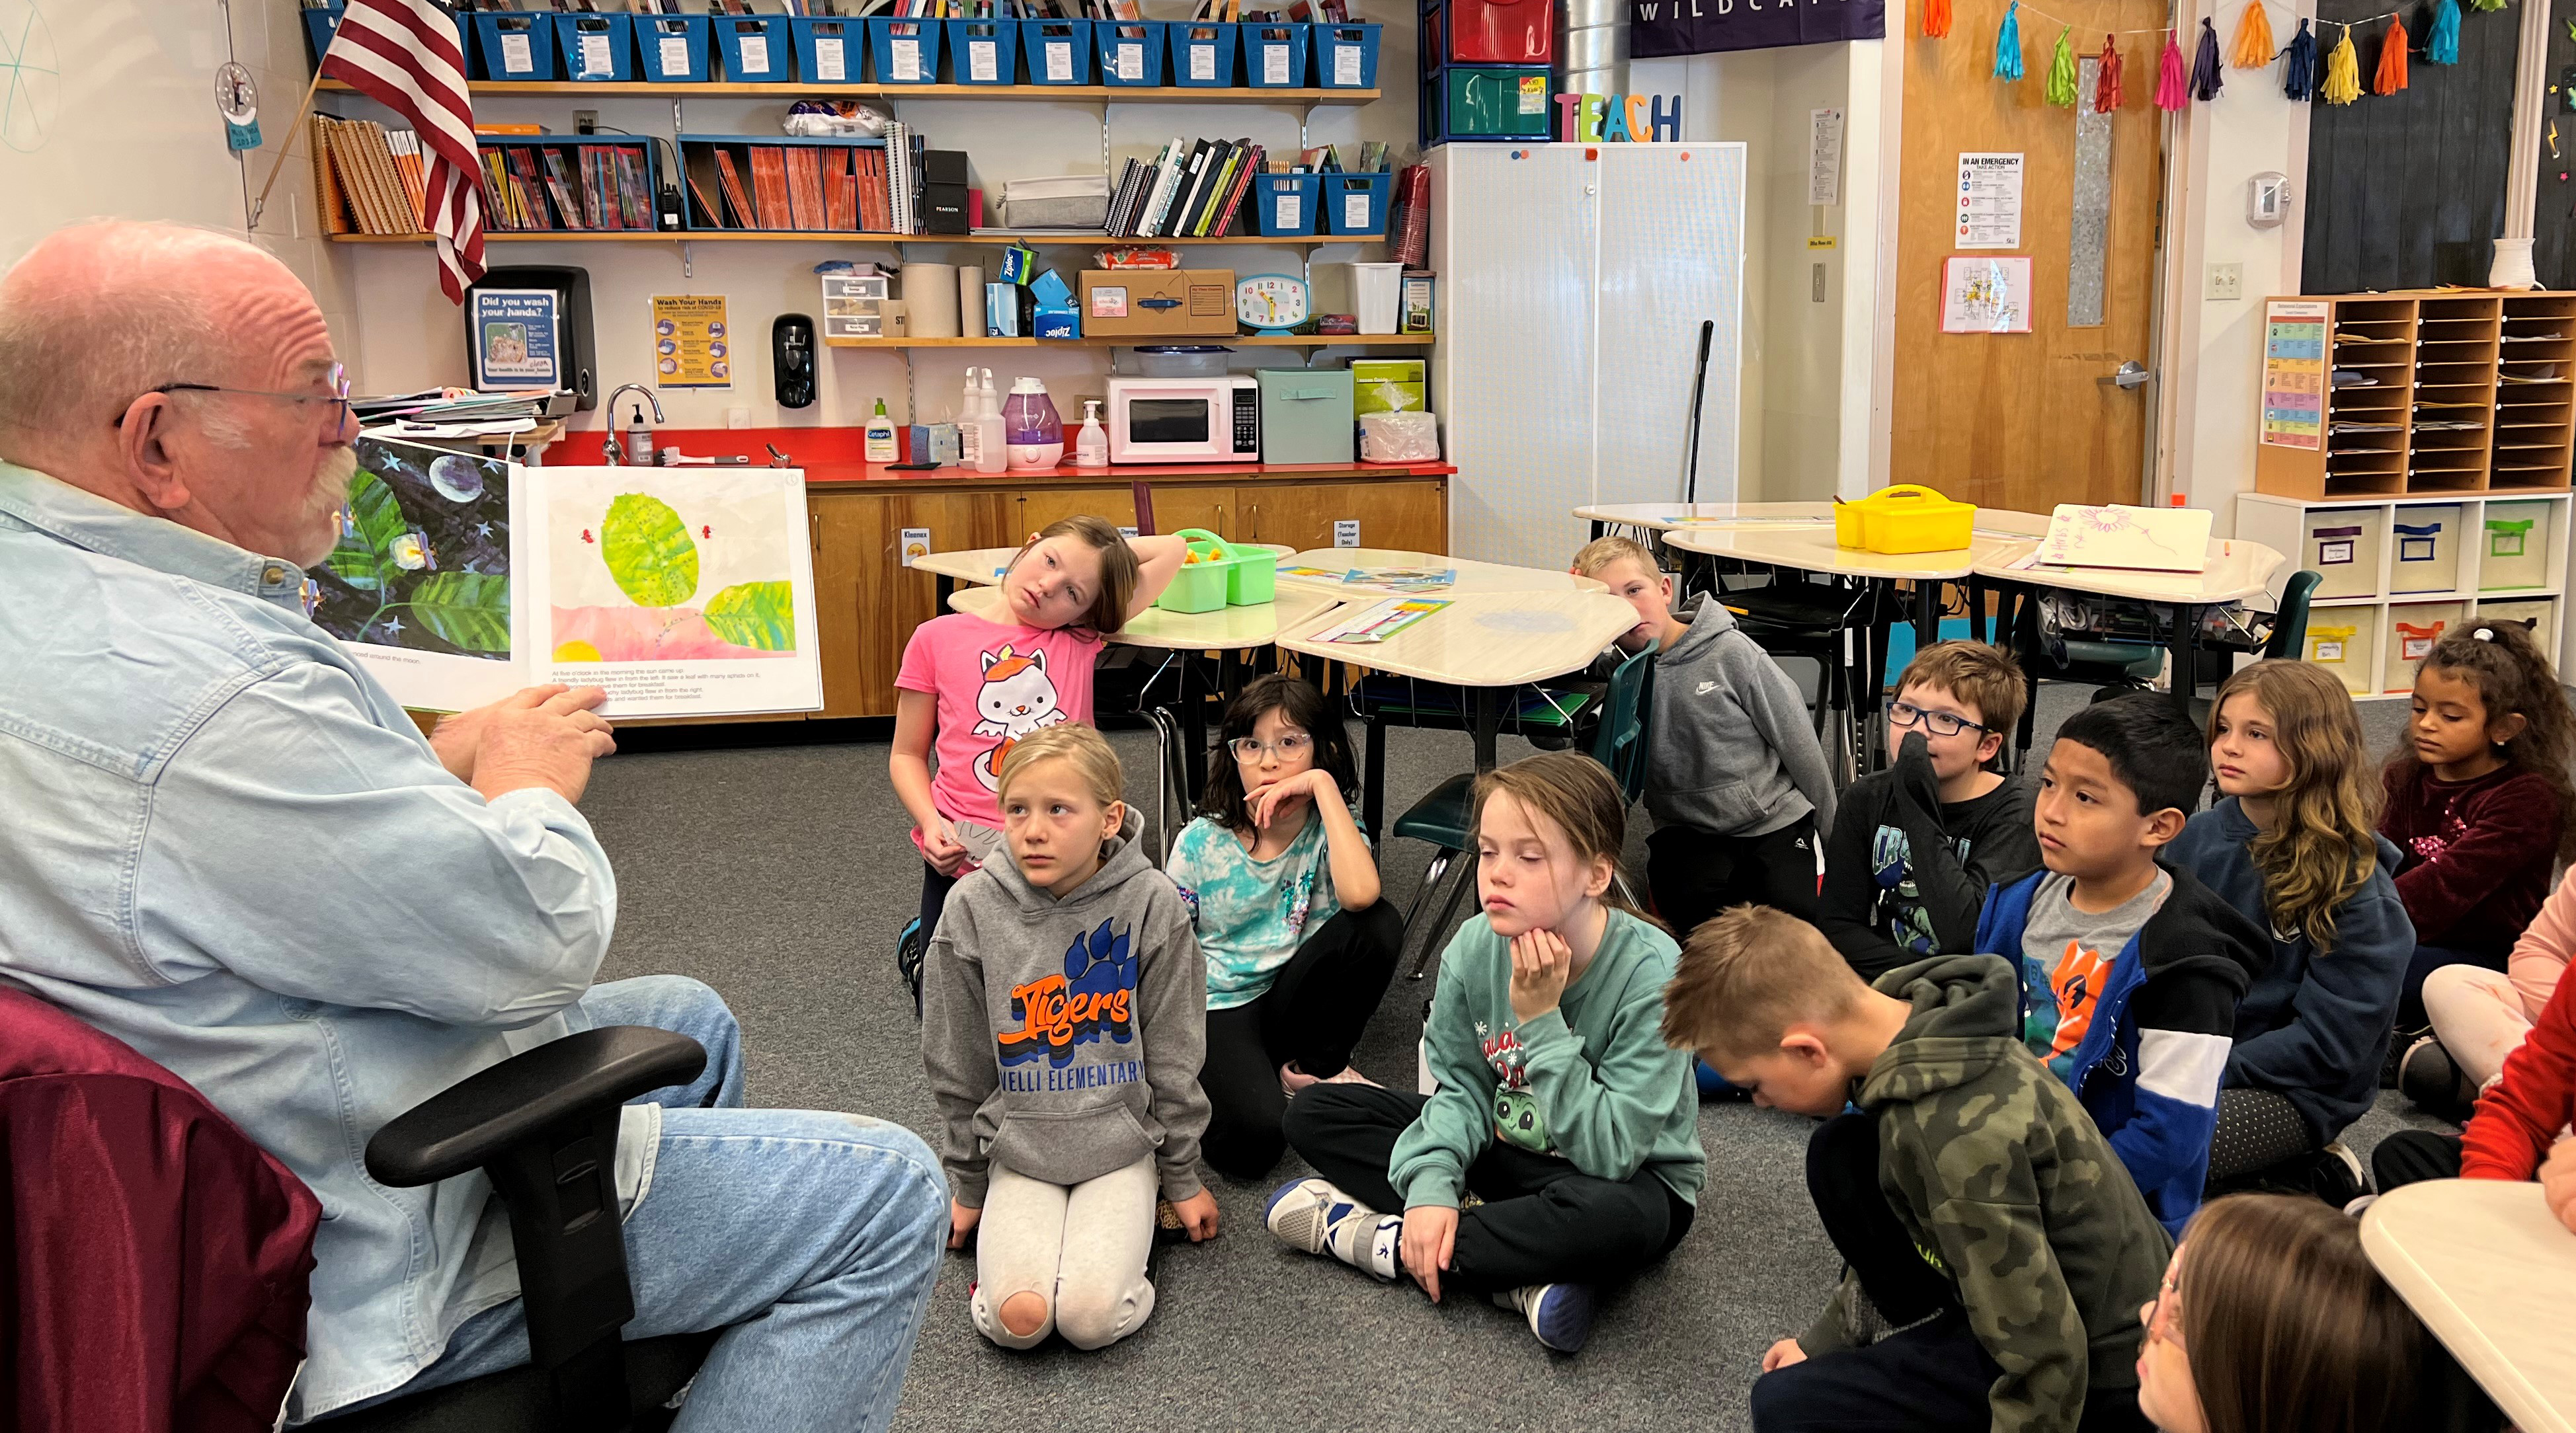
x=1356, y=203
x=1279, y=195
x=585, y=40
x=674, y=48
x=916, y=40
x=505, y=38
x=1346, y=56
x=829, y=52
x=319, y=24
x=1068, y=42
x=758, y=49
x=1131, y=52
x=1203, y=54
x=1270, y=51
x=994, y=43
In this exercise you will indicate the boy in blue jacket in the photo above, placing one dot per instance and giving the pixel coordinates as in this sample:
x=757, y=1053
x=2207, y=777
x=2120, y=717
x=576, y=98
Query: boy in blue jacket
x=2131, y=970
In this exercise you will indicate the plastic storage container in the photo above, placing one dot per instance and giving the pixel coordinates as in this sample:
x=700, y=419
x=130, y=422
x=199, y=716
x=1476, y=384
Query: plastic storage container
x=1056, y=52
x=1182, y=361
x=2341, y=546
x=2424, y=551
x=2513, y=551
x=1346, y=56
x=906, y=51
x=1376, y=295
x=673, y=48
x=1203, y=53
x=829, y=52
x=1905, y=518
x=2413, y=628
x=1131, y=52
x=757, y=49
x=1493, y=32
x=2341, y=640
x=984, y=52
x=1356, y=204
x=1274, y=56
x=1287, y=203
x=1220, y=574
x=2538, y=614
x=1307, y=415
x=599, y=48
x=515, y=47
x=1503, y=103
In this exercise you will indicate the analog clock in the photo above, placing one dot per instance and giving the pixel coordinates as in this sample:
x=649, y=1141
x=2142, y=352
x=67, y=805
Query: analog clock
x=1271, y=303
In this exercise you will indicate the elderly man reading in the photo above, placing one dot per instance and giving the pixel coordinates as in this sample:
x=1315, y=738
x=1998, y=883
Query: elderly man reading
x=225, y=845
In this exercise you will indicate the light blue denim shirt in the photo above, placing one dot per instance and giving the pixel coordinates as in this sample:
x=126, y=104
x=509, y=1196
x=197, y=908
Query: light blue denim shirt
x=224, y=844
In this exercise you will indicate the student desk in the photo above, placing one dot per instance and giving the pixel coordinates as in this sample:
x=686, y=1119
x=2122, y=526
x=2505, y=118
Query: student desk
x=2236, y=570
x=1472, y=576
x=2487, y=1268
x=978, y=566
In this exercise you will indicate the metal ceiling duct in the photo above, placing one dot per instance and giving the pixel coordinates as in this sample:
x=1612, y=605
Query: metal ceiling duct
x=1592, y=47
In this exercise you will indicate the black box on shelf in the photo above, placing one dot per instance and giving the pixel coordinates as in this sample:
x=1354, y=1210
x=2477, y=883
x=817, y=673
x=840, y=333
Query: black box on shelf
x=943, y=209
x=943, y=166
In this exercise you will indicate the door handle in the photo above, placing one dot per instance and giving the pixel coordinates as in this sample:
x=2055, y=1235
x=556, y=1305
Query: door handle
x=2131, y=374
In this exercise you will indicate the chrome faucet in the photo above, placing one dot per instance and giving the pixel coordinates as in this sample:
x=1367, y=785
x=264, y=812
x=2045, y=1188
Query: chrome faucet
x=640, y=438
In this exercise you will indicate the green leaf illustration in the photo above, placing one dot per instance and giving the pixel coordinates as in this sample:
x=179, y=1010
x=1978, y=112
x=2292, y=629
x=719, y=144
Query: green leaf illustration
x=364, y=559
x=468, y=610
x=648, y=551
x=759, y=615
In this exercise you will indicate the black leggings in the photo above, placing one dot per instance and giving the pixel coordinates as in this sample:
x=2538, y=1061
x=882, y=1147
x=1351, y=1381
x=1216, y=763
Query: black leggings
x=1313, y=1013
x=934, y=899
x=1695, y=874
x=2257, y=1130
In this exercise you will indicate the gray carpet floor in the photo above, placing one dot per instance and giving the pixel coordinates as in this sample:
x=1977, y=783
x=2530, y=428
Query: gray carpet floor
x=780, y=876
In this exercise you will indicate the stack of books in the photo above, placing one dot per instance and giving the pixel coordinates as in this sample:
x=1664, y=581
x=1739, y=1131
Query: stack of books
x=1194, y=189
x=569, y=186
x=370, y=176
x=819, y=188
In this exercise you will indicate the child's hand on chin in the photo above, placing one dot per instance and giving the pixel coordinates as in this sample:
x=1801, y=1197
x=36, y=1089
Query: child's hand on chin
x=1540, y=964
x=1265, y=799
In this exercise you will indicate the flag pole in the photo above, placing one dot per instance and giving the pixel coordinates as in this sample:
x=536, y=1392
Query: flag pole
x=259, y=205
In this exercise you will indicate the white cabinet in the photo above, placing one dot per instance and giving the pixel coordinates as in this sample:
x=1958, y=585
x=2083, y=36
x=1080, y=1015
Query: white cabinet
x=1574, y=282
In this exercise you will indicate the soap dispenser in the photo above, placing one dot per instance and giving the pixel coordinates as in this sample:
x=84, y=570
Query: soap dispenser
x=1091, y=445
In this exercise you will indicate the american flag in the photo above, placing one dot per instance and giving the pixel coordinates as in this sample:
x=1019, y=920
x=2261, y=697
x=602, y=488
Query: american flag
x=404, y=55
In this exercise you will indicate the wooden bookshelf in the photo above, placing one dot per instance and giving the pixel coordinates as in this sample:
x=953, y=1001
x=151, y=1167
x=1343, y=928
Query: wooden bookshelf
x=1043, y=94
x=766, y=236
x=2442, y=393
x=1131, y=340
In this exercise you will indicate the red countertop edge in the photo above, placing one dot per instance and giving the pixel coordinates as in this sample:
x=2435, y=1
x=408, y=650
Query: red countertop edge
x=834, y=458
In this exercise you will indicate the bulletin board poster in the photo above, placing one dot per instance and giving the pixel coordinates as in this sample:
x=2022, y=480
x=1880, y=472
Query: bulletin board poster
x=692, y=342
x=1989, y=201
x=515, y=333
x=1985, y=295
x=2294, y=374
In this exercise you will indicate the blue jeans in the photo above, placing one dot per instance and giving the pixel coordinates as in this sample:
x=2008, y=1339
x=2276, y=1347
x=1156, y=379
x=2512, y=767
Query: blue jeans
x=812, y=1239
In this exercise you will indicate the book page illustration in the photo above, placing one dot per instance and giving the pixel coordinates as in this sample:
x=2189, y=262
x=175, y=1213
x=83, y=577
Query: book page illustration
x=419, y=586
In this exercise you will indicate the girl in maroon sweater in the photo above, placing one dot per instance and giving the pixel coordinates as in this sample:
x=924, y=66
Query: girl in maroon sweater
x=2479, y=800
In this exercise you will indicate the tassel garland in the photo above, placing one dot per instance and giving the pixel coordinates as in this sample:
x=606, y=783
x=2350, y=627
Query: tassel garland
x=2254, y=47
x=2392, y=61
x=2343, y=72
x=2443, y=48
x=2299, y=66
x=2206, y=80
x=1936, y=19
x=2061, y=71
x=2170, y=91
x=2106, y=82
x=2008, y=45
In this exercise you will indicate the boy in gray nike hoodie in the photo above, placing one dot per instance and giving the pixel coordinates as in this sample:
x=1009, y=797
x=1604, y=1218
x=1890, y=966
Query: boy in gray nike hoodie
x=1063, y=1023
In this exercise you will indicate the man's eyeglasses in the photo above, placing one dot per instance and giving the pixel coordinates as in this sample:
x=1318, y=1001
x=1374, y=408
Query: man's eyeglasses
x=1289, y=746
x=1906, y=714
x=337, y=380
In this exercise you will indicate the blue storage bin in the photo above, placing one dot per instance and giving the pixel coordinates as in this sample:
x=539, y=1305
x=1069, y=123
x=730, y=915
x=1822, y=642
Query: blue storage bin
x=674, y=48
x=1056, y=52
x=1287, y=203
x=1203, y=53
x=514, y=46
x=984, y=52
x=1346, y=56
x=597, y=47
x=1271, y=51
x=829, y=52
x=1131, y=52
x=907, y=51
x=318, y=27
x=1356, y=203
x=757, y=48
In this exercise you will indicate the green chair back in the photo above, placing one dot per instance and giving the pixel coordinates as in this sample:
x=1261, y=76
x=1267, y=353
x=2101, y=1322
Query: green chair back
x=2290, y=627
x=1626, y=714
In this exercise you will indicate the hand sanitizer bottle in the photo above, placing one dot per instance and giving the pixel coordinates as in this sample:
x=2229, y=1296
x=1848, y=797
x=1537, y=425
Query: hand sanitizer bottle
x=880, y=440
x=1091, y=445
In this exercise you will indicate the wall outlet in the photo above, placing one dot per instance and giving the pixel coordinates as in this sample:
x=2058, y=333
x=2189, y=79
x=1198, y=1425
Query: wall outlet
x=2223, y=281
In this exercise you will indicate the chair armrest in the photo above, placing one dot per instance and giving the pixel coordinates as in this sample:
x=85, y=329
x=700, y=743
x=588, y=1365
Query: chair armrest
x=474, y=1121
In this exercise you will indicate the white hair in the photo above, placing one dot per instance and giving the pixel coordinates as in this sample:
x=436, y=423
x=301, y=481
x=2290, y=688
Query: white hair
x=72, y=354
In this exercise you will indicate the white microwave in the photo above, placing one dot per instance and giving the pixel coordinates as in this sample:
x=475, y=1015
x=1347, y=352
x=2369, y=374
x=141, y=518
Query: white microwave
x=1185, y=420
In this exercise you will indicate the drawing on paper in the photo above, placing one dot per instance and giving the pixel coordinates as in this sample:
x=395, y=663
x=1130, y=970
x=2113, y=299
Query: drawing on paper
x=652, y=569
x=423, y=561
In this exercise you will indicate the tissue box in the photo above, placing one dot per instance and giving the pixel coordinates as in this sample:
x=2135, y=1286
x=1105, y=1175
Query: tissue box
x=1057, y=316
x=1002, y=310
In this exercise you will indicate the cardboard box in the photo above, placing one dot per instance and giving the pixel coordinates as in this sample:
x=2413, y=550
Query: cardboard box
x=1388, y=370
x=1196, y=302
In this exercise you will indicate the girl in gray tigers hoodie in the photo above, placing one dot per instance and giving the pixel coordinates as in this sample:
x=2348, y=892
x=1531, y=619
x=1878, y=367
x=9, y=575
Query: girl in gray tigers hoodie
x=1064, y=1009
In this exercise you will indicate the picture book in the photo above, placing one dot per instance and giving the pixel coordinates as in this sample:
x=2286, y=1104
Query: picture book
x=1383, y=620
x=2114, y=535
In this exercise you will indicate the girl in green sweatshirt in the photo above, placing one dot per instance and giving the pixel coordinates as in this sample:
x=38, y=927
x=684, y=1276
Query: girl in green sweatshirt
x=1559, y=1107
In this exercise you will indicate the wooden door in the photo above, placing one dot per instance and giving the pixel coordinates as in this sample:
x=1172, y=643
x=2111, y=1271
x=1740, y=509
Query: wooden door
x=846, y=573
x=1408, y=514
x=2027, y=420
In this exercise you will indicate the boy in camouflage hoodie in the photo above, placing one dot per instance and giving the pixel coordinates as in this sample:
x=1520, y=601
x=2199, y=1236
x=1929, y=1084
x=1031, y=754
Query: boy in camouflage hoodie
x=1996, y=1250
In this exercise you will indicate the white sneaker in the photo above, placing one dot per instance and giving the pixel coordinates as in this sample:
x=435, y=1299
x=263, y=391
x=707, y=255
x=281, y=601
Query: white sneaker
x=1559, y=1314
x=1312, y=1216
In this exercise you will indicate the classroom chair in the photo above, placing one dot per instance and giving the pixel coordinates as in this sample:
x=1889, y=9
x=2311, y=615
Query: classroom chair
x=1837, y=628
x=1443, y=816
x=2113, y=665
x=116, y=1258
